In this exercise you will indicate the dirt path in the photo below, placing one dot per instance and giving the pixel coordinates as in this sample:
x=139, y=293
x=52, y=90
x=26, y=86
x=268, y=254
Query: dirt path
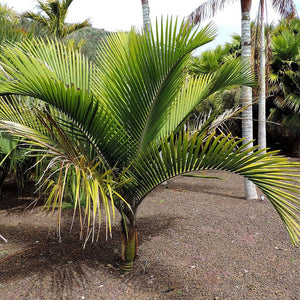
x=199, y=239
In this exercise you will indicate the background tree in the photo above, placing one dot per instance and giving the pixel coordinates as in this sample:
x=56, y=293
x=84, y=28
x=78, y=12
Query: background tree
x=8, y=14
x=52, y=15
x=210, y=61
x=284, y=91
x=115, y=130
x=209, y=9
x=262, y=134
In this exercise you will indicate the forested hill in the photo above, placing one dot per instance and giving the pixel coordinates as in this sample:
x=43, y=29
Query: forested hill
x=92, y=37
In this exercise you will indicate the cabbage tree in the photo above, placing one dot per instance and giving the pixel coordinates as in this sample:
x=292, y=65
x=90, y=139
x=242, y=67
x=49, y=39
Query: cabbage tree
x=114, y=130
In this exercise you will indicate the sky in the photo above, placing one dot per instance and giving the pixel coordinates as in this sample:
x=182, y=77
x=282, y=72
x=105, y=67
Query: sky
x=122, y=14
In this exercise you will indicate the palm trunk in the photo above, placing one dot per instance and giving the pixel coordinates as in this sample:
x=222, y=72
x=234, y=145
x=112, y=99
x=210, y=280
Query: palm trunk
x=262, y=91
x=146, y=15
x=247, y=124
x=129, y=245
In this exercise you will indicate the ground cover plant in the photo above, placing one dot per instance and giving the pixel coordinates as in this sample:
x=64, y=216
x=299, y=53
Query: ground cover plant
x=112, y=131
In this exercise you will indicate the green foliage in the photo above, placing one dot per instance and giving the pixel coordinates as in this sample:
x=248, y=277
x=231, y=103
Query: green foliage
x=284, y=81
x=283, y=87
x=12, y=33
x=285, y=46
x=210, y=61
x=10, y=27
x=52, y=15
x=12, y=158
x=115, y=128
x=12, y=161
x=8, y=14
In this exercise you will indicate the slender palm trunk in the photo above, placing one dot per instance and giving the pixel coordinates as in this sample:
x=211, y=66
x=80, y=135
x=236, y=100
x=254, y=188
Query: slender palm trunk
x=262, y=91
x=247, y=123
x=129, y=245
x=146, y=15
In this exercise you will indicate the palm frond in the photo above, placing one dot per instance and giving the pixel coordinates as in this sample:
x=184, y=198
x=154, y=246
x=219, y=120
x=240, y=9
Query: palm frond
x=199, y=88
x=274, y=175
x=54, y=74
x=65, y=157
x=207, y=10
x=146, y=76
x=68, y=29
x=286, y=8
x=36, y=17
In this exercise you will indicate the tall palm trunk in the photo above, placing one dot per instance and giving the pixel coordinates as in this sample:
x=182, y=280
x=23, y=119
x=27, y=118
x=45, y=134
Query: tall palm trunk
x=247, y=124
x=262, y=91
x=146, y=15
x=129, y=245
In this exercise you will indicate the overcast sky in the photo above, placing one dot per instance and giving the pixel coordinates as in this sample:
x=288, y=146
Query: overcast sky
x=115, y=15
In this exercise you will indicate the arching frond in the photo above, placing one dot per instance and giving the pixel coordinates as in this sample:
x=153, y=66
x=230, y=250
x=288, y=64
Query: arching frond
x=277, y=177
x=54, y=74
x=145, y=74
x=199, y=88
x=67, y=159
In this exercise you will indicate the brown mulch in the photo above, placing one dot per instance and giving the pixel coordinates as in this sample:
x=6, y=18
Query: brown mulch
x=198, y=239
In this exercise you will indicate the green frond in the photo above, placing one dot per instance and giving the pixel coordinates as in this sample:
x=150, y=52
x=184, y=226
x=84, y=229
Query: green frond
x=62, y=78
x=145, y=74
x=36, y=17
x=274, y=175
x=64, y=157
x=197, y=89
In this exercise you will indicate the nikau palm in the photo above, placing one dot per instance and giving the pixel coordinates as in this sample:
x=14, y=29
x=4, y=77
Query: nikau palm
x=115, y=129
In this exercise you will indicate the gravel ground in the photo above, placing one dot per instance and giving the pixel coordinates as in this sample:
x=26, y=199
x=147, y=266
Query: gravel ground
x=198, y=239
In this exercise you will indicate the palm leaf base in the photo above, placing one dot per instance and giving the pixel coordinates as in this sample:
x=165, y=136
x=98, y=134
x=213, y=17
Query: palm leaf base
x=129, y=245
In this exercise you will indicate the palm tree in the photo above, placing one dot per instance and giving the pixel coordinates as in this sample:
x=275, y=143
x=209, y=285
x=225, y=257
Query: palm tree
x=52, y=17
x=209, y=9
x=115, y=129
x=284, y=86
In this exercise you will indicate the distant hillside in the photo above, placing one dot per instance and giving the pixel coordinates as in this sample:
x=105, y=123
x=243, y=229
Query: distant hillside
x=92, y=37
